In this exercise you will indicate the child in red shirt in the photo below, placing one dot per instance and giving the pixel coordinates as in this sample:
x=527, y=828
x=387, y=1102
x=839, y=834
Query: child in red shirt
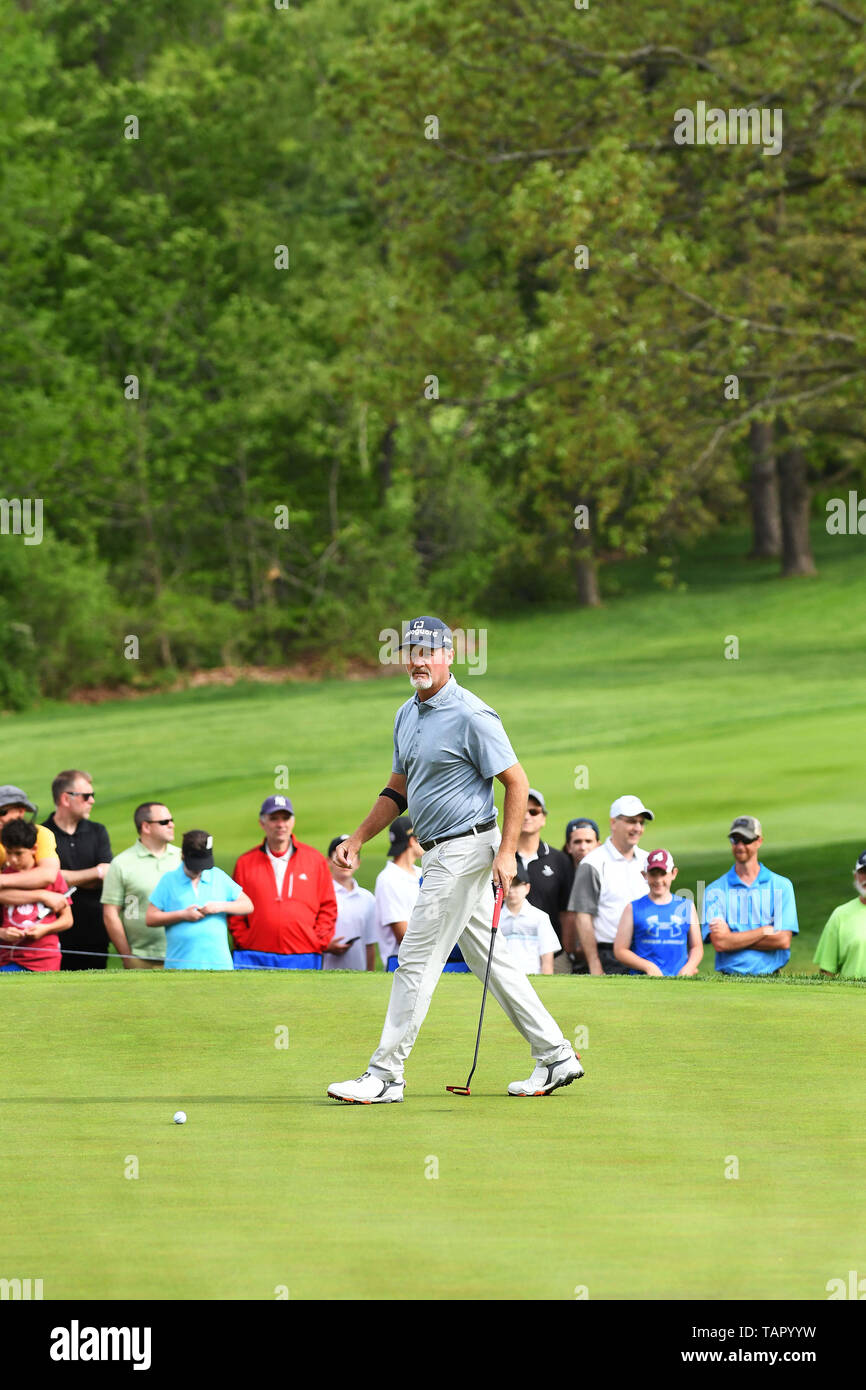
x=25, y=924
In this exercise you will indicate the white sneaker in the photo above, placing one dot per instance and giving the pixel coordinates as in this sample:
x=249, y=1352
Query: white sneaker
x=548, y=1077
x=367, y=1090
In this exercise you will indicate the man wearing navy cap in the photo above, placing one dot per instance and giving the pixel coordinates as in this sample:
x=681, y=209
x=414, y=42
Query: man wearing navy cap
x=448, y=747
x=581, y=836
x=294, y=905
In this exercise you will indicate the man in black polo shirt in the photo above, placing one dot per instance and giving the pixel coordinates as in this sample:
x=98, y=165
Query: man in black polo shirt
x=550, y=872
x=85, y=854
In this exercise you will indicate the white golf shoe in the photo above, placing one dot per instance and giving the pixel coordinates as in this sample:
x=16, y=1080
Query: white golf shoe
x=548, y=1077
x=366, y=1090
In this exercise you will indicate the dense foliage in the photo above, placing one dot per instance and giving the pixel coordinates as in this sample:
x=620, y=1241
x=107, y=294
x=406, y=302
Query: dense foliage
x=297, y=337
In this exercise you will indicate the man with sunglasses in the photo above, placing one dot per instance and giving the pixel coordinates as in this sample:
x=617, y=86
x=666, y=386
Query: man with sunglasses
x=131, y=878
x=549, y=871
x=84, y=850
x=749, y=914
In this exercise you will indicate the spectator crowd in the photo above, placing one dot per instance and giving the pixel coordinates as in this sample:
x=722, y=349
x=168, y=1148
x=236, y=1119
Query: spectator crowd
x=592, y=907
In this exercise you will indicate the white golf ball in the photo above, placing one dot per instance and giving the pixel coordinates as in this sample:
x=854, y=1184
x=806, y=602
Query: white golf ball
x=180, y=1117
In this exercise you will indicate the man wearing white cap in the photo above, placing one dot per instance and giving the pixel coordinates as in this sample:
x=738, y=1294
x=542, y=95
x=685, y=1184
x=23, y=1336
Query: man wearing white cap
x=607, y=878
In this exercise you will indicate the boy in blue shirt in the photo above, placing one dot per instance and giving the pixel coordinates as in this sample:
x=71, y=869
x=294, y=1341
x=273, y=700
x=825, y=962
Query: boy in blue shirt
x=749, y=913
x=192, y=903
x=659, y=934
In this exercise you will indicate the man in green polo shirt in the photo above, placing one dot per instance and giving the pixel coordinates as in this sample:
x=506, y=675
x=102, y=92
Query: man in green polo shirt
x=842, y=947
x=129, y=882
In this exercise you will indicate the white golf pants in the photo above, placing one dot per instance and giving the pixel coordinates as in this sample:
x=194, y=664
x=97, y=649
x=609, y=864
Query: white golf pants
x=455, y=905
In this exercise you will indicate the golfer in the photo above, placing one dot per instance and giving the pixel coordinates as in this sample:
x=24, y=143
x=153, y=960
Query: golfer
x=448, y=747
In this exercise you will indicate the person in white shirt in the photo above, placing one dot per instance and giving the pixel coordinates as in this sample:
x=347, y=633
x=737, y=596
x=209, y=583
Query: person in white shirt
x=532, y=942
x=356, y=918
x=607, y=878
x=397, y=889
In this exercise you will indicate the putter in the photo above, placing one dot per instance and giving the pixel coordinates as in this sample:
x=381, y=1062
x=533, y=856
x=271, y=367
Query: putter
x=497, y=908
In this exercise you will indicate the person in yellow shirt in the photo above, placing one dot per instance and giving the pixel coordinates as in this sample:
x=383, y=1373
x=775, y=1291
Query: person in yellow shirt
x=30, y=885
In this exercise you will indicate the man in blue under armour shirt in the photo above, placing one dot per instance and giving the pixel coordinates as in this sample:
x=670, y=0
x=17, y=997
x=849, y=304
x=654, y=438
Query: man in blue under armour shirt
x=659, y=934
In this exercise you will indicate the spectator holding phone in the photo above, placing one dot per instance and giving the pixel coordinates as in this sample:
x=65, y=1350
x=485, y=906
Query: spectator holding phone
x=356, y=918
x=192, y=903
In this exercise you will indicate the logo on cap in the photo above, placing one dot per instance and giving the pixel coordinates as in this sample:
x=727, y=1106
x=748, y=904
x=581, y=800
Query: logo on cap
x=747, y=826
x=660, y=859
x=428, y=632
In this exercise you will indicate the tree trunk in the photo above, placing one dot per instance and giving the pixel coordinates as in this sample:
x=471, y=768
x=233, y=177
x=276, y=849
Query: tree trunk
x=588, y=595
x=386, y=459
x=795, y=496
x=585, y=569
x=764, y=493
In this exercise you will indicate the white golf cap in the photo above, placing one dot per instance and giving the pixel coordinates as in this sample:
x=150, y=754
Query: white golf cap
x=630, y=806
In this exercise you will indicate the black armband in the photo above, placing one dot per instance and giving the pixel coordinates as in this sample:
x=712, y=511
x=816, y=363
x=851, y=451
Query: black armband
x=401, y=802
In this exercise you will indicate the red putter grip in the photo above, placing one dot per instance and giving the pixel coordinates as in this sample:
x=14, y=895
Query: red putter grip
x=497, y=907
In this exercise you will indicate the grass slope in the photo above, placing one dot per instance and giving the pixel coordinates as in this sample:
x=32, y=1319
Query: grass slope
x=639, y=693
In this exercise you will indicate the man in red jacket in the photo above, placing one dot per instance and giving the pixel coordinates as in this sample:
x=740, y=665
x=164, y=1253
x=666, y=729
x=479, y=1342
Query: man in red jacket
x=294, y=906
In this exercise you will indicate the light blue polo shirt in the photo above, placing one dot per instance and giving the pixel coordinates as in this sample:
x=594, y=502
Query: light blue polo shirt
x=449, y=748
x=769, y=901
x=196, y=945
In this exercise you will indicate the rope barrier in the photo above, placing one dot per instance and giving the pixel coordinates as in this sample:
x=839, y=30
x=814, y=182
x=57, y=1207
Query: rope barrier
x=104, y=955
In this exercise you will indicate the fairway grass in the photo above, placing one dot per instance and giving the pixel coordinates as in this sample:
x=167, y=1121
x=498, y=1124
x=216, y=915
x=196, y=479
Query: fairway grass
x=616, y=1185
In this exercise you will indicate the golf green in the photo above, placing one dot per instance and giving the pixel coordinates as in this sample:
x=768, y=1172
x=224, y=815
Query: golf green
x=710, y=1152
